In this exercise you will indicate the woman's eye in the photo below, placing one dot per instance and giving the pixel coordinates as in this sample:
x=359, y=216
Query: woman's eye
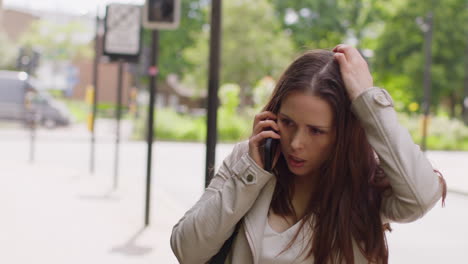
x=286, y=122
x=316, y=131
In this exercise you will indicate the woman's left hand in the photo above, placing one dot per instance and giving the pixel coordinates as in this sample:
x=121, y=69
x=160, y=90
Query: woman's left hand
x=354, y=70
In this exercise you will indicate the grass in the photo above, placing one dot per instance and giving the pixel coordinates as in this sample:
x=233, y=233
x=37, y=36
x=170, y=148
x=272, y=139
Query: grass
x=80, y=110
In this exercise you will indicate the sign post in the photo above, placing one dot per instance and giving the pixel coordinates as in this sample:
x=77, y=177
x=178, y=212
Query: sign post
x=122, y=43
x=93, y=92
x=157, y=14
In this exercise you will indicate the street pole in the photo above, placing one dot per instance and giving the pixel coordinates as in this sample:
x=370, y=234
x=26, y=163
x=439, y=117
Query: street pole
x=32, y=137
x=117, y=129
x=153, y=71
x=213, y=84
x=31, y=112
x=465, y=97
x=427, y=75
x=95, y=93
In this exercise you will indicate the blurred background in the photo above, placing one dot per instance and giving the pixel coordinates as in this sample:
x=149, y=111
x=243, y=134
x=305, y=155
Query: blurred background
x=73, y=160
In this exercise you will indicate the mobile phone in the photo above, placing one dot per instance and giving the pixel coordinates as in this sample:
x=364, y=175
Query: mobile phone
x=269, y=153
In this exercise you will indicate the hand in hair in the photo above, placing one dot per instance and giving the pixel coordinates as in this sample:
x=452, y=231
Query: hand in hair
x=262, y=123
x=354, y=70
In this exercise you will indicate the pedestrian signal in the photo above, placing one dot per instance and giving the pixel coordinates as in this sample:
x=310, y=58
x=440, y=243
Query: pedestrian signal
x=161, y=14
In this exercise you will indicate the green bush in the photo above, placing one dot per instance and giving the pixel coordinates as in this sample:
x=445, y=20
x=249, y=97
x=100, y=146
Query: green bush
x=232, y=128
x=173, y=126
x=443, y=133
x=80, y=109
x=182, y=127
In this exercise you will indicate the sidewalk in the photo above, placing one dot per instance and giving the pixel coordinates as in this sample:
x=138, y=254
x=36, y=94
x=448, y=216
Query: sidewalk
x=54, y=216
x=55, y=212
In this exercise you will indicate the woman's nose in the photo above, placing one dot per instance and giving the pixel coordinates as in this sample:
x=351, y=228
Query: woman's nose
x=297, y=141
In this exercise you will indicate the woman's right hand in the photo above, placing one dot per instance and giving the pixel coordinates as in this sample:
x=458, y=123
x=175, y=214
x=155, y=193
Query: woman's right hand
x=262, y=122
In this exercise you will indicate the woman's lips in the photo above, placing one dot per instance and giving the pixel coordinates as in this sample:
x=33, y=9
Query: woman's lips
x=295, y=162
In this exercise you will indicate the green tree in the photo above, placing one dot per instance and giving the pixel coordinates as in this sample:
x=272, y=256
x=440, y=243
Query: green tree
x=325, y=23
x=399, y=59
x=173, y=42
x=253, y=46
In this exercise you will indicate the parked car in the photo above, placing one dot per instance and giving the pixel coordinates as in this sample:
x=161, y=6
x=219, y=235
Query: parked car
x=21, y=100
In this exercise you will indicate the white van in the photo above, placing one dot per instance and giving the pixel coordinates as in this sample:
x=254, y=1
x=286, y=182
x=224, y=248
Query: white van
x=21, y=100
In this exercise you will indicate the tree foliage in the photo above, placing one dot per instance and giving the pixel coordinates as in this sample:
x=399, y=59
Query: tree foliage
x=400, y=50
x=325, y=23
x=173, y=42
x=253, y=45
x=388, y=32
x=259, y=38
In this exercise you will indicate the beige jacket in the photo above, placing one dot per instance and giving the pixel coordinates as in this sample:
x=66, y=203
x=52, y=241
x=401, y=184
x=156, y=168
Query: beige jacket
x=241, y=188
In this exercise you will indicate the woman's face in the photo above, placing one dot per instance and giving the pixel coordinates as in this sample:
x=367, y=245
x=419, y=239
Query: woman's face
x=307, y=133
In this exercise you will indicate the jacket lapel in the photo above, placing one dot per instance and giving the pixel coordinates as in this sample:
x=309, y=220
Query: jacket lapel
x=256, y=217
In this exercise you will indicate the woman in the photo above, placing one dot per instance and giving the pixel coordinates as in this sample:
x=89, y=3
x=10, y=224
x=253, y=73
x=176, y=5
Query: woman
x=344, y=169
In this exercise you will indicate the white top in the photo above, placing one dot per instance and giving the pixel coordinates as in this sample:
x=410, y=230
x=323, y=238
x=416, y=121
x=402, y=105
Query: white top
x=274, y=243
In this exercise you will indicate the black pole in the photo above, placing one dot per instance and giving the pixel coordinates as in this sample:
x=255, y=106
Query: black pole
x=117, y=129
x=427, y=76
x=465, y=96
x=33, y=122
x=152, y=89
x=31, y=111
x=95, y=94
x=213, y=84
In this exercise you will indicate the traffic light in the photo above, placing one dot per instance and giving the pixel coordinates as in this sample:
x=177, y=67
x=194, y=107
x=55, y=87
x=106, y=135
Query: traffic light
x=27, y=60
x=161, y=14
x=22, y=60
x=35, y=58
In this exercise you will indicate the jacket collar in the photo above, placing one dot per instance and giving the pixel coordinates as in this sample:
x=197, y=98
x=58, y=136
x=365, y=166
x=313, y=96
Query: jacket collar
x=256, y=219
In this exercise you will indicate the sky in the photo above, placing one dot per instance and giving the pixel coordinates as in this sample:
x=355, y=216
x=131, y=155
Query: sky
x=77, y=7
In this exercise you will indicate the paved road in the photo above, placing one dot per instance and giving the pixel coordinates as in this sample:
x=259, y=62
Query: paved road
x=54, y=211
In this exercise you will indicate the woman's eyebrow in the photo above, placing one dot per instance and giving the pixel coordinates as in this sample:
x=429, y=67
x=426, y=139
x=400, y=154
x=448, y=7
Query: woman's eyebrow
x=314, y=126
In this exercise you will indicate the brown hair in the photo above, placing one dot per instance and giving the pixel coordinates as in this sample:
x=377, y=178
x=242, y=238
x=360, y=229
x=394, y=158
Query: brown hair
x=347, y=205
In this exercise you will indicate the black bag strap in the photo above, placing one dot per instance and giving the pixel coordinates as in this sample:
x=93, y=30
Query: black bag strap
x=222, y=254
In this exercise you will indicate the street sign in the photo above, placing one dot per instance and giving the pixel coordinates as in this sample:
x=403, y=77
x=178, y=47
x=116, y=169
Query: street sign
x=161, y=14
x=122, y=36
